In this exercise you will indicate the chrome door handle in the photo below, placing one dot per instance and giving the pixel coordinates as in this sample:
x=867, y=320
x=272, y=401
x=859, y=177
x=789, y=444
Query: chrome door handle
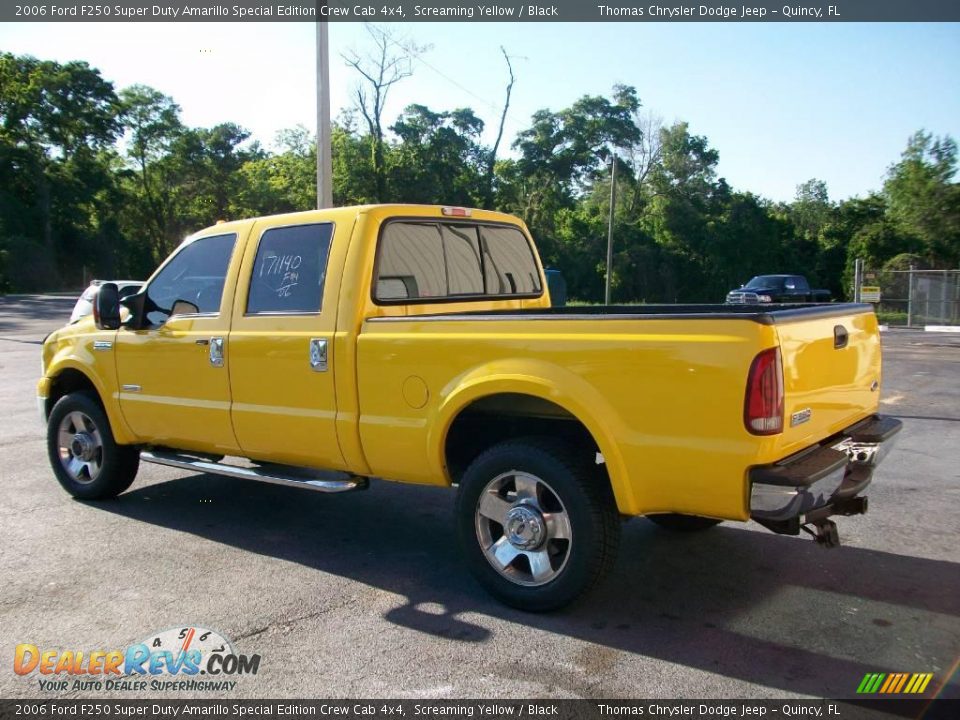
x=216, y=351
x=318, y=354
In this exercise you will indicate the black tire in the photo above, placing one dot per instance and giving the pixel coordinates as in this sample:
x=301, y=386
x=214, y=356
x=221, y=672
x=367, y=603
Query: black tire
x=683, y=523
x=570, y=492
x=98, y=467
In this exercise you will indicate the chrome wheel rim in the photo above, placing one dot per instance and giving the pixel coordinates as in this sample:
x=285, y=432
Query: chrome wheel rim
x=80, y=446
x=523, y=528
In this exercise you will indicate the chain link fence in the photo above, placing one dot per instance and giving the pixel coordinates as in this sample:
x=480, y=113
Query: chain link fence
x=914, y=298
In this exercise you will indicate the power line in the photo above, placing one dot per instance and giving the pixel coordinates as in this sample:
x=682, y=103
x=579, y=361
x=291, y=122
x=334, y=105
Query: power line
x=418, y=56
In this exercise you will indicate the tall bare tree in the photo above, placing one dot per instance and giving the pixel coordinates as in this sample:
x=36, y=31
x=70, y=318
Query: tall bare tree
x=492, y=159
x=381, y=68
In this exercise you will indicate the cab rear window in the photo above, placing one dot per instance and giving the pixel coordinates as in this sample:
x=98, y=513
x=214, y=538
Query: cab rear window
x=430, y=261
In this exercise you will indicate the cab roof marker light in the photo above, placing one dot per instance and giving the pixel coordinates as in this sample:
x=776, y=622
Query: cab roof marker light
x=456, y=211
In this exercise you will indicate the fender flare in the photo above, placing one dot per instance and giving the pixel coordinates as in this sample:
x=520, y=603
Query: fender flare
x=545, y=381
x=109, y=400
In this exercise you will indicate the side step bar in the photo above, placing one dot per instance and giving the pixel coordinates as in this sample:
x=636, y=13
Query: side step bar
x=188, y=462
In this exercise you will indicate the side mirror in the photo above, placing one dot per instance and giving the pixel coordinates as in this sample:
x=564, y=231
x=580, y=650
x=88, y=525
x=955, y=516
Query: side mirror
x=135, y=304
x=106, y=307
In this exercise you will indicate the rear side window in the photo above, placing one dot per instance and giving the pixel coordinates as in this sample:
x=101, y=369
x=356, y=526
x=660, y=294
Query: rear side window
x=290, y=269
x=508, y=263
x=437, y=261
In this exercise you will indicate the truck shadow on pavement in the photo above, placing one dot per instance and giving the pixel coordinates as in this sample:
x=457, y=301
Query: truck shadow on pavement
x=753, y=606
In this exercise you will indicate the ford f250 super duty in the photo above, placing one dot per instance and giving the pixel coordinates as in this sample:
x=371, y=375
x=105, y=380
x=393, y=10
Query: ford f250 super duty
x=418, y=344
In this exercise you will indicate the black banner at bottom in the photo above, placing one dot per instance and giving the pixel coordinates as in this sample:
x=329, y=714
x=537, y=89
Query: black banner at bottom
x=176, y=709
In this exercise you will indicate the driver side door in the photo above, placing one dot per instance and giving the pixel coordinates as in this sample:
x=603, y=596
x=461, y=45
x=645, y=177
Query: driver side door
x=173, y=372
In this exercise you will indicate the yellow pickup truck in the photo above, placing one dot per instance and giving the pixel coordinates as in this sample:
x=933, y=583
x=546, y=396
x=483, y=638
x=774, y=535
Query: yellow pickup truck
x=418, y=344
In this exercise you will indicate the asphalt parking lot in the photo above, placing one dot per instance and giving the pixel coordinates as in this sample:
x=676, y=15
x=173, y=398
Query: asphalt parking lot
x=364, y=595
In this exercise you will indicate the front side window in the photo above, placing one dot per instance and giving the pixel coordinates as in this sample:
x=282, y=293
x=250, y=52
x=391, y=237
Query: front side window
x=438, y=261
x=290, y=270
x=192, y=281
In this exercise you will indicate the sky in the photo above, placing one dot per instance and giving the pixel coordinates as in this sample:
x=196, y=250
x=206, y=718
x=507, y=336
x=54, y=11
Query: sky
x=781, y=102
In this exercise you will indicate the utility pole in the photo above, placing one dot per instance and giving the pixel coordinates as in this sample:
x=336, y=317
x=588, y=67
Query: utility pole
x=857, y=278
x=324, y=161
x=910, y=296
x=613, y=200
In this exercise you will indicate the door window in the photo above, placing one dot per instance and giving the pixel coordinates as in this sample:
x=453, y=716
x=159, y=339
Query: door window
x=290, y=269
x=194, y=278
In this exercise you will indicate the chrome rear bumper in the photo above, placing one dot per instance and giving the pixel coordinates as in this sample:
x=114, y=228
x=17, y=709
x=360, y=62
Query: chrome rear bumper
x=823, y=475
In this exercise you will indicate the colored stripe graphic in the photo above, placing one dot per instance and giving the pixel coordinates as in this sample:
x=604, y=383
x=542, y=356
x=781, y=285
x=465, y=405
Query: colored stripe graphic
x=903, y=680
x=894, y=683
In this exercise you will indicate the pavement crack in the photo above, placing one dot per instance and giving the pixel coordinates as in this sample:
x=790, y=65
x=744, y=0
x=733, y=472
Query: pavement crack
x=293, y=621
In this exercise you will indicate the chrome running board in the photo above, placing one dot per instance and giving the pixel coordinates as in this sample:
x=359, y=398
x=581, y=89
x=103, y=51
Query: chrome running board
x=188, y=462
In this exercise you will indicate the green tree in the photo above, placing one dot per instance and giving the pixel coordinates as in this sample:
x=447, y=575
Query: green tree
x=58, y=123
x=924, y=201
x=439, y=158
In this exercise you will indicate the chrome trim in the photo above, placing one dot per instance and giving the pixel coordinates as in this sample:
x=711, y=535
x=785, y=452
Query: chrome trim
x=782, y=502
x=746, y=298
x=779, y=502
x=102, y=345
x=274, y=313
x=42, y=409
x=216, y=351
x=318, y=354
x=131, y=388
x=185, y=462
x=866, y=454
x=192, y=315
x=511, y=520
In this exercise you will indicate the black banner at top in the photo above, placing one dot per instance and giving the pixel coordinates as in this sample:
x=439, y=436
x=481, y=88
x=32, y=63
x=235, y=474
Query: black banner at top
x=489, y=11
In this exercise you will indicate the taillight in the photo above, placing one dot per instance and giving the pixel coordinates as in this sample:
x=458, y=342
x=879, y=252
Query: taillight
x=763, y=408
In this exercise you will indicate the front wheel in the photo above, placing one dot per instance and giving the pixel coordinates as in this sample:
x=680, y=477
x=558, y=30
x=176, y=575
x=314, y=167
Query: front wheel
x=85, y=458
x=538, y=525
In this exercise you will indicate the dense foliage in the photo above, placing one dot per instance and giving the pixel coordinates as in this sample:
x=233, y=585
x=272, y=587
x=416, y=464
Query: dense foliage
x=105, y=183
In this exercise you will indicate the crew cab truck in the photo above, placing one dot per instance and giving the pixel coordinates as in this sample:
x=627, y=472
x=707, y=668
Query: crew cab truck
x=418, y=344
x=777, y=289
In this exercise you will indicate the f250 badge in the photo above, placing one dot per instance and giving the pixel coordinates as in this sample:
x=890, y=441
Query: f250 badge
x=800, y=417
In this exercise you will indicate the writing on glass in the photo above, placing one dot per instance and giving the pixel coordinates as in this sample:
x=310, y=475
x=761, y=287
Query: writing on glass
x=279, y=272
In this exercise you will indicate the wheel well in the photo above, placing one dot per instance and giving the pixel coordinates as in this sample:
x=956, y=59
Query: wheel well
x=70, y=381
x=505, y=416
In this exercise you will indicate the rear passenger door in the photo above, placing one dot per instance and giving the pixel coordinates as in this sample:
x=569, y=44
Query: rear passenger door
x=281, y=346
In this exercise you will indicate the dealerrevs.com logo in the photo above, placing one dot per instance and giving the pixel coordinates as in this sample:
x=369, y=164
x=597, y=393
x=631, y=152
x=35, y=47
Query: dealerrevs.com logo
x=186, y=659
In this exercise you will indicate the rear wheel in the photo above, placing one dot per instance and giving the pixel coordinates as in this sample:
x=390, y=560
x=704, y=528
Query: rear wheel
x=683, y=523
x=85, y=458
x=538, y=525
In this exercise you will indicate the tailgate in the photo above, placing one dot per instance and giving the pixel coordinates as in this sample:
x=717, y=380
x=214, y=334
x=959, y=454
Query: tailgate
x=830, y=381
